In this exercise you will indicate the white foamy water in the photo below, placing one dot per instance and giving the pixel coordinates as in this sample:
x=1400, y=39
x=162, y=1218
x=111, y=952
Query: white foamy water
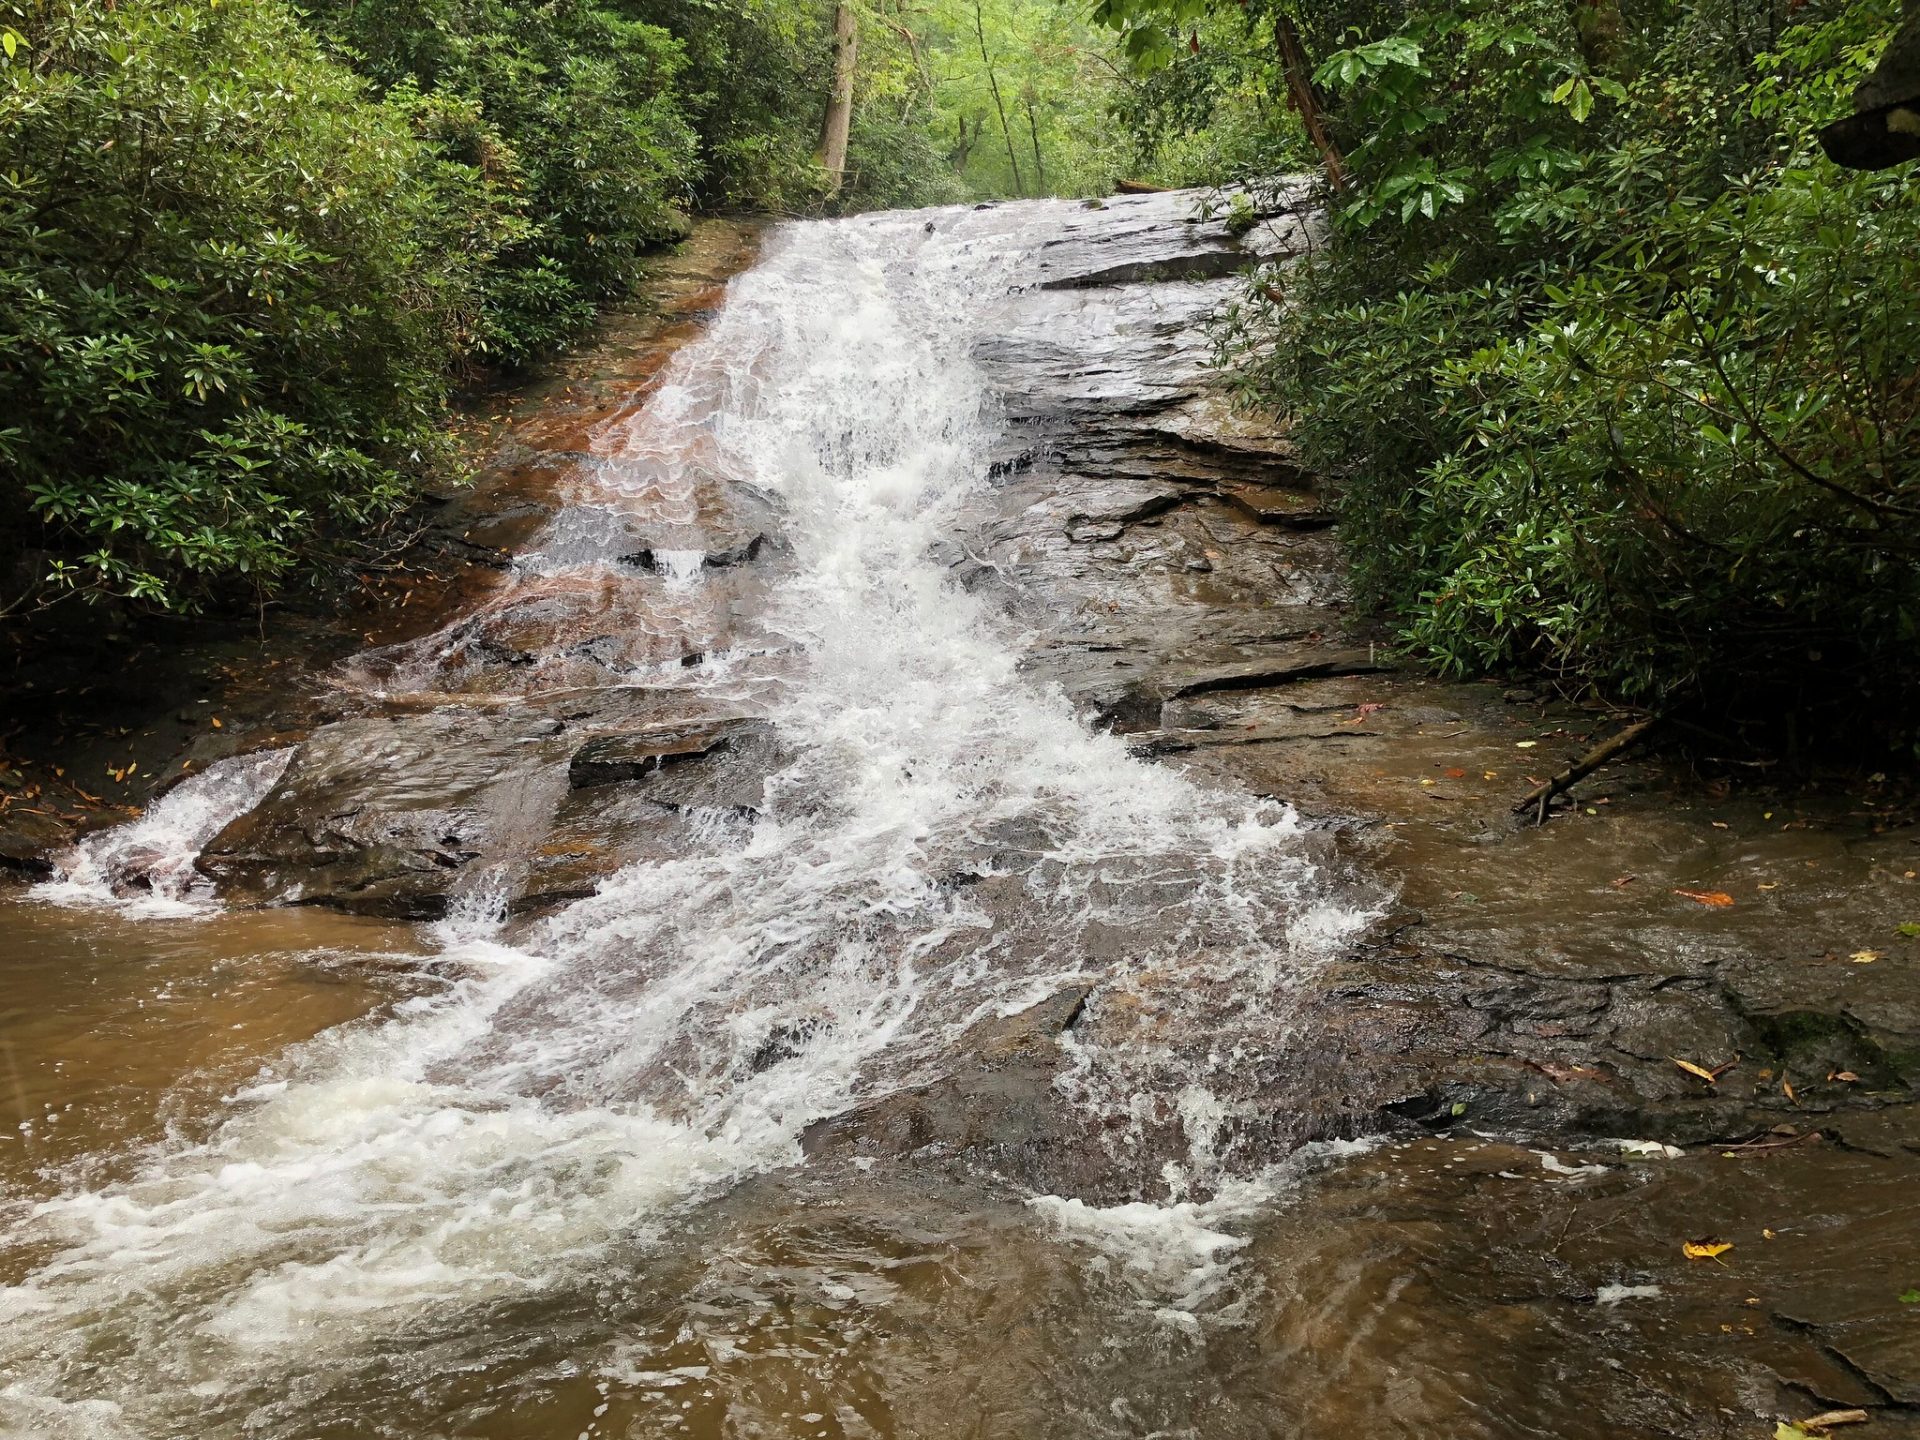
x=147, y=866
x=1180, y=1256
x=585, y=1080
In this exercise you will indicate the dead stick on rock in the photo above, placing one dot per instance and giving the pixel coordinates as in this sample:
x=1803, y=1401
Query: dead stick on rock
x=1541, y=796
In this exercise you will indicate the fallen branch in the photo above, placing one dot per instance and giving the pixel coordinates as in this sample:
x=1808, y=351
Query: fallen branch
x=1538, y=798
x=1139, y=187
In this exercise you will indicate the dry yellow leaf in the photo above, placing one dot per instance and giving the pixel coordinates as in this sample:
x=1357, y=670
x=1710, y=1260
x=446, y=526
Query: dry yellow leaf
x=1719, y=899
x=1705, y=1249
x=1831, y=1418
x=1864, y=957
x=1693, y=1069
x=216, y=723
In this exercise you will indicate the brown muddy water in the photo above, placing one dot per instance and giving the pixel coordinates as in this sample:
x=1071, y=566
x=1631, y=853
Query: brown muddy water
x=893, y=900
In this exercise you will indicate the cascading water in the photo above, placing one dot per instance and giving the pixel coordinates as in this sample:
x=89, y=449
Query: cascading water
x=588, y=1079
x=149, y=862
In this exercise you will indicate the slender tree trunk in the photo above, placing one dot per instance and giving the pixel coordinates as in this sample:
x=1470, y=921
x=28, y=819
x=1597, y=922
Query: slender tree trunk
x=1039, y=166
x=833, y=134
x=1299, y=75
x=993, y=83
x=964, y=146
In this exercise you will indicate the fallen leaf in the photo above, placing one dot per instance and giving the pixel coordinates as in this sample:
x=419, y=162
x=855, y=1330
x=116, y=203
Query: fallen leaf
x=1845, y=1076
x=1909, y=1296
x=1705, y=1249
x=1718, y=824
x=1909, y=930
x=1786, y=1089
x=1769, y=885
x=1525, y=744
x=1830, y=1418
x=1719, y=899
x=1766, y=1234
x=1455, y=773
x=1864, y=957
x=216, y=722
x=1693, y=1069
x=1622, y=882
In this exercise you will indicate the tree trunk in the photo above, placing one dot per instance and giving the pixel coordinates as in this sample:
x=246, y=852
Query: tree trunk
x=1299, y=75
x=1039, y=167
x=1602, y=32
x=833, y=134
x=993, y=83
x=962, y=148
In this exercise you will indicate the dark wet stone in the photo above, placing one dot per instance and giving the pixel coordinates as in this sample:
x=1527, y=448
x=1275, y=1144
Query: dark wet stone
x=737, y=553
x=1276, y=505
x=26, y=840
x=1260, y=673
x=1158, y=238
x=631, y=755
x=995, y=1110
x=718, y=765
x=387, y=816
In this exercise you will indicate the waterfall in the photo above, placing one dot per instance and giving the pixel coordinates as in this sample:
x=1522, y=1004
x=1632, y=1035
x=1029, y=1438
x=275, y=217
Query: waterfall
x=943, y=841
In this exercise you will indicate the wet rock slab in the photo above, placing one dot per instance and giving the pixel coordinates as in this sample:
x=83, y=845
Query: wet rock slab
x=382, y=815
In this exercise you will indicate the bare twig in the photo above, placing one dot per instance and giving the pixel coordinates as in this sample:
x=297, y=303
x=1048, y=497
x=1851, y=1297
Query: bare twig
x=1539, y=797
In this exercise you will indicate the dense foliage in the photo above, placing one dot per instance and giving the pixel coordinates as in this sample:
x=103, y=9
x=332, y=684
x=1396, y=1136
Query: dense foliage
x=1618, y=369
x=566, y=116
x=226, y=297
